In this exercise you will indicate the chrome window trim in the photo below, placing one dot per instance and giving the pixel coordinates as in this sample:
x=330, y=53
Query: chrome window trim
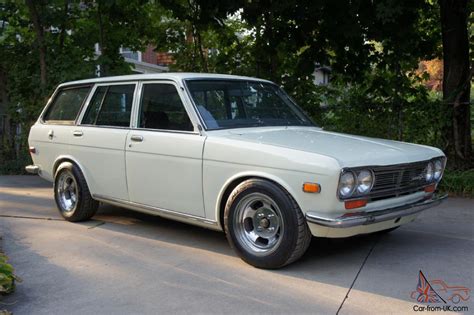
x=91, y=95
x=167, y=131
x=312, y=124
x=105, y=127
x=50, y=102
x=179, y=89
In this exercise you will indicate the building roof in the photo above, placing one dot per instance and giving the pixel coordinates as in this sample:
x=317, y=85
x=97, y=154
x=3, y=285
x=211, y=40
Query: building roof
x=146, y=67
x=175, y=76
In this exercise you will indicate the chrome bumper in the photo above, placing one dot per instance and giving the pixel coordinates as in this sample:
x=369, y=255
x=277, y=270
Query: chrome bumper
x=371, y=217
x=32, y=169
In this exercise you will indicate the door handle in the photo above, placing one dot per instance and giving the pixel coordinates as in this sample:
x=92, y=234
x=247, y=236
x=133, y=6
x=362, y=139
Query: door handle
x=77, y=133
x=136, y=138
x=51, y=134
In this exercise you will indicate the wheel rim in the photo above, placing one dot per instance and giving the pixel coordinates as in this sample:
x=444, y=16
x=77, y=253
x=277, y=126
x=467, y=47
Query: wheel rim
x=67, y=191
x=258, y=223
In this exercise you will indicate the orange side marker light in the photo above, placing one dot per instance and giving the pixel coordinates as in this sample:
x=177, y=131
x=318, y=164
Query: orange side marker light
x=311, y=188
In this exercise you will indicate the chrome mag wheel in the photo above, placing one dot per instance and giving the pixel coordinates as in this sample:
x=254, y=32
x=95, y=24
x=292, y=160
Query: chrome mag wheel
x=67, y=191
x=258, y=223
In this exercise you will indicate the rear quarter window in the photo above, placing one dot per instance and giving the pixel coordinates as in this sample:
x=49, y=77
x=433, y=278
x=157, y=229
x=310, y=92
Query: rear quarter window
x=67, y=104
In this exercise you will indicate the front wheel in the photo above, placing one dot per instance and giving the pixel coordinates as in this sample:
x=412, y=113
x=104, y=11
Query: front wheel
x=72, y=194
x=264, y=224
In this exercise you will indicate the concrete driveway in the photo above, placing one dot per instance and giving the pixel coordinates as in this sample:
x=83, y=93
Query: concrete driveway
x=124, y=262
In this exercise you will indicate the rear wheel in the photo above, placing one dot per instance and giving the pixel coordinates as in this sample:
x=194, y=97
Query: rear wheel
x=72, y=194
x=264, y=224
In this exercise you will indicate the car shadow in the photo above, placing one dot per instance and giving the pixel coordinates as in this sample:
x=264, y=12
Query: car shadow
x=137, y=223
x=331, y=260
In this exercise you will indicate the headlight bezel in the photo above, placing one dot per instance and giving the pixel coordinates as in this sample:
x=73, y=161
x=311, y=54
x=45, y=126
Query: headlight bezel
x=354, y=185
x=372, y=177
x=429, y=172
x=355, y=193
x=438, y=167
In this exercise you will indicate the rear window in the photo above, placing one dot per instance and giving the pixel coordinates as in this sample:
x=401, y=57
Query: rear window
x=67, y=104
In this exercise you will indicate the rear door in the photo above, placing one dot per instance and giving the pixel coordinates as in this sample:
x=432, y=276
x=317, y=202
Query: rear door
x=164, y=152
x=98, y=142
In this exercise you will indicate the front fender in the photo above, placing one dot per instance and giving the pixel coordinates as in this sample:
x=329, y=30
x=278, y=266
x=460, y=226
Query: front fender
x=239, y=177
x=220, y=176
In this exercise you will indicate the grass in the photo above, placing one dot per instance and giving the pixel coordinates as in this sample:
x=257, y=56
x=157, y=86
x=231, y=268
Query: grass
x=458, y=183
x=7, y=277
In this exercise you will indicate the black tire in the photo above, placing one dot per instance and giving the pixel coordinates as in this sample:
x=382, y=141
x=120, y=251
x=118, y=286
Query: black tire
x=84, y=206
x=294, y=236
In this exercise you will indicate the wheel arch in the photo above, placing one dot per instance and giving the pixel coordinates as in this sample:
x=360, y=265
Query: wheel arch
x=236, y=180
x=67, y=158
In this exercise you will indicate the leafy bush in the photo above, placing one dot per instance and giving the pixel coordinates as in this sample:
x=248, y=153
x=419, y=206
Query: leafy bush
x=15, y=167
x=459, y=183
x=378, y=107
x=7, y=277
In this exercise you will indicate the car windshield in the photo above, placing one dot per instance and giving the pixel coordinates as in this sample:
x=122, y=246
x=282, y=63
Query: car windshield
x=244, y=103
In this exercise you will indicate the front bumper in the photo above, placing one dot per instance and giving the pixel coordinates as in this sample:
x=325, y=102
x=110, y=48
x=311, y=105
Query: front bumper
x=354, y=219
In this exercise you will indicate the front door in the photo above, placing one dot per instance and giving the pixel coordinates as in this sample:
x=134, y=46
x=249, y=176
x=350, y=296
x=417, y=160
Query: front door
x=164, y=153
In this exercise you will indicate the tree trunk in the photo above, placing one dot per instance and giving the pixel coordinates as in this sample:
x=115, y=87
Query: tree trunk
x=62, y=35
x=457, y=81
x=103, y=49
x=201, y=52
x=38, y=27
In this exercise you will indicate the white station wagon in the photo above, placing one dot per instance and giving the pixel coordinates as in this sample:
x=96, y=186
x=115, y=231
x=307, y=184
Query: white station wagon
x=227, y=153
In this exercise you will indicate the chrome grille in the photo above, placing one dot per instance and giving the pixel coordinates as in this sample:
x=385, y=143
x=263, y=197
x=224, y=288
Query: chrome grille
x=398, y=180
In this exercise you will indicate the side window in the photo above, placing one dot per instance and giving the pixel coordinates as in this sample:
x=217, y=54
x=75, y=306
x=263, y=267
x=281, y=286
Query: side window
x=66, y=104
x=161, y=108
x=110, y=106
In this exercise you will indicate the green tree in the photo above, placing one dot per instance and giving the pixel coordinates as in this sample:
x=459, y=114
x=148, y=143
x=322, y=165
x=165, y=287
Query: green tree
x=114, y=24
x=44, y=43
x=457, y=80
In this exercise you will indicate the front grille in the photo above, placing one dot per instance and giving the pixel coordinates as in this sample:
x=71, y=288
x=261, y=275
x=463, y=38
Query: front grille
x=398, y=180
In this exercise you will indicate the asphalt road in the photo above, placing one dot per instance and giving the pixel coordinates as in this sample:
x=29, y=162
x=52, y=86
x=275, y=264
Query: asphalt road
x=124, y=262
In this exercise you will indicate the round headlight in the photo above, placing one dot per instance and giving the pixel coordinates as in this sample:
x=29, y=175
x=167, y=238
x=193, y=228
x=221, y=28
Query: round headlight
x=346, y=184
x=429, y=172
x=364, y=181
x=438, y=169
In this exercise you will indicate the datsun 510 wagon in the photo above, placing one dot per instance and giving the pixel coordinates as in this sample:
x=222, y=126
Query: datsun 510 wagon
x=227, y=153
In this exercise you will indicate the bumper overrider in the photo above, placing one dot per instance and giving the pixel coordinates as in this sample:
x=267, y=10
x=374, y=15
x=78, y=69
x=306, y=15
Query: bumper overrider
x=32, y=169
x=361, y=218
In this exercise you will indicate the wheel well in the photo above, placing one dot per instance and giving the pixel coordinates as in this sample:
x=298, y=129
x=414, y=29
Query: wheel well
x=59, y=162
x=229, y=190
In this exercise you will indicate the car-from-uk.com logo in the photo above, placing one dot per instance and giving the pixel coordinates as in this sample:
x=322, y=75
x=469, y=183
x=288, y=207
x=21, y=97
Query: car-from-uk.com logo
x=437, y=296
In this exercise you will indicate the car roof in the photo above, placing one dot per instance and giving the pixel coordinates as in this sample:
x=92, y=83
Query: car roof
x=175, y=76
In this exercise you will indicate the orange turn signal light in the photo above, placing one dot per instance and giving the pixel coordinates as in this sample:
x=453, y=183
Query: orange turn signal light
x=431, y=188
x=311, y=188
x=352, y=204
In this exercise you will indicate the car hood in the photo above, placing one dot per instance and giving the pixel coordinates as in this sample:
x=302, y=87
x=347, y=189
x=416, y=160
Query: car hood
x=348, y=150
